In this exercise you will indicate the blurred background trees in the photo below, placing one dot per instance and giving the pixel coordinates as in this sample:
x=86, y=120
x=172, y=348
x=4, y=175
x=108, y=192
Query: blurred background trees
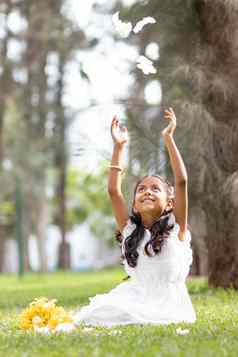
x=35, y=56
x=194, y=48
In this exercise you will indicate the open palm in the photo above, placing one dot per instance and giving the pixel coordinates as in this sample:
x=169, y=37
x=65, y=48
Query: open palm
x=170, y=116
x=119, y=134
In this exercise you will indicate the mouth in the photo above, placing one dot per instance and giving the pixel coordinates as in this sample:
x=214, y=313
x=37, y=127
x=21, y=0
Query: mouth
x=147, y=199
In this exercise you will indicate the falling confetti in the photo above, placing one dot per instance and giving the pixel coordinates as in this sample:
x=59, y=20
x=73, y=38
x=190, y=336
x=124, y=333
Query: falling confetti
x=140, y=24
x=123, y=29
x=146, y=65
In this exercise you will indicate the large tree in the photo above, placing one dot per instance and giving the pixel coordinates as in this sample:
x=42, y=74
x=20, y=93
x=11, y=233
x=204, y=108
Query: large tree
x=216, y=83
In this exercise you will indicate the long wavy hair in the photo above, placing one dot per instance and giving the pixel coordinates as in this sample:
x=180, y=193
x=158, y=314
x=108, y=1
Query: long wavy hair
x=159, y=230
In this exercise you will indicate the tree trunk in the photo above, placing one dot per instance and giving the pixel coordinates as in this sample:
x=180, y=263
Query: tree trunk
x=5, y=86
x=61, y=163
x=64, y=249
x=2, y=247
x=215, y=81
x=223, y=262
x=41, y=232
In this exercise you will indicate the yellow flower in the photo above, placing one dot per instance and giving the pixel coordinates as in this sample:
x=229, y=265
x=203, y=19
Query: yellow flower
x=43, y=313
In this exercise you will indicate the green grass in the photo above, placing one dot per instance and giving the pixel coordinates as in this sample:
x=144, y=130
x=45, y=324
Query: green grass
x=214, y=334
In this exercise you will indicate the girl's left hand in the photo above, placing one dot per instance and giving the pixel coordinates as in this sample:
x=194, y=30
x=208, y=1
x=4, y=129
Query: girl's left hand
x=169, y=130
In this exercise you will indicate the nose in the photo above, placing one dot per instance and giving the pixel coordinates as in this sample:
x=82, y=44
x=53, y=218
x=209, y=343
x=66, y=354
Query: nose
x=148, y=191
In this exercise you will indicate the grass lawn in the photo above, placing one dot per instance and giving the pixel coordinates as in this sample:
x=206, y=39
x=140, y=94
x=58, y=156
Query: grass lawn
x=214, y=334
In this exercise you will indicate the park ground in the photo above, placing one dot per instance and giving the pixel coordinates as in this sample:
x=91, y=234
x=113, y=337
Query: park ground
x=214, y=334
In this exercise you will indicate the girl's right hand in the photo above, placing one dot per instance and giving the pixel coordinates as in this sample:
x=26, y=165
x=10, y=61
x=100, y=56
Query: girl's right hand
x=119, y=134
x=170, y=116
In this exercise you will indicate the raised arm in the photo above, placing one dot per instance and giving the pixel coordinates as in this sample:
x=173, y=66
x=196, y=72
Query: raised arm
x=180, y=174
x=119, y=206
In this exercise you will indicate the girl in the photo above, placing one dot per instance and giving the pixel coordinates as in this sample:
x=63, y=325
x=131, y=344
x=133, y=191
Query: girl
x=155, y=245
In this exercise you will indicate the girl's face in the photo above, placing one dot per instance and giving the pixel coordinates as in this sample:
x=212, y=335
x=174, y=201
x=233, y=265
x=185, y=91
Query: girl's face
x=151, y=197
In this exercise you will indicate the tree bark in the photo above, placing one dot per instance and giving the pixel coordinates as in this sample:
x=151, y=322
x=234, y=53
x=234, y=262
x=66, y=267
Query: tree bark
x=222, y=253
x=5, y=86
x=61, y=163
x=41, y=232
x=216, y=78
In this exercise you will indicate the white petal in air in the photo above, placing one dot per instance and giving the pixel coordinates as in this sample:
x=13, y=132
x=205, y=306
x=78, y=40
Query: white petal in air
x=122, y=28
x=145, y=65
x=140, y=24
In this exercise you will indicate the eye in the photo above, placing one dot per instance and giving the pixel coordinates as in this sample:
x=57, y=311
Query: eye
x=140, y=189
x=156, y=188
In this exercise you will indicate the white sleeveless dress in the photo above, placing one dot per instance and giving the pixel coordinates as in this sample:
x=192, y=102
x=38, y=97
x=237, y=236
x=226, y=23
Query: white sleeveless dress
x=155, y=293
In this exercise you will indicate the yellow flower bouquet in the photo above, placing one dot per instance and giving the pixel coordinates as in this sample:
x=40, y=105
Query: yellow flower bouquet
x=45, y=316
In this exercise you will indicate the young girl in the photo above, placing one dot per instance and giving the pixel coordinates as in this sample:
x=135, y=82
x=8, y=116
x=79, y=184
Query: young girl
x=155, y=245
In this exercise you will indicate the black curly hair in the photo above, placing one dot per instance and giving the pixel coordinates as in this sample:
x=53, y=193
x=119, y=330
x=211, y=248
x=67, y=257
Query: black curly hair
x=159, y=230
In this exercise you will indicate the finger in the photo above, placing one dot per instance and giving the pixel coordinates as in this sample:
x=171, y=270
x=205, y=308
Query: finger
x=124, y=132
x=173, y=113
x=115, y=123
x=168, y=114
x=170, y=111
x=114, y=120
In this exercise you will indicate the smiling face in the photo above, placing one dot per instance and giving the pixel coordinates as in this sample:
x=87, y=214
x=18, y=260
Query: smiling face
x=151, y=197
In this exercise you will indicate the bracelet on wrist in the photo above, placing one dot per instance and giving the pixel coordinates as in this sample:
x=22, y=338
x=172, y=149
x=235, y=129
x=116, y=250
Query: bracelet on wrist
x=116, y=167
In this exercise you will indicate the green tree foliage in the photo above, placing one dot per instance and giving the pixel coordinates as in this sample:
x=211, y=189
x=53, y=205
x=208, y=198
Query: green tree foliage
x=32, y=107
x=88, y=201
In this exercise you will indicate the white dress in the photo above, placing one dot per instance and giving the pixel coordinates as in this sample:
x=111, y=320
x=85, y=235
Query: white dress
x=155, y=293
